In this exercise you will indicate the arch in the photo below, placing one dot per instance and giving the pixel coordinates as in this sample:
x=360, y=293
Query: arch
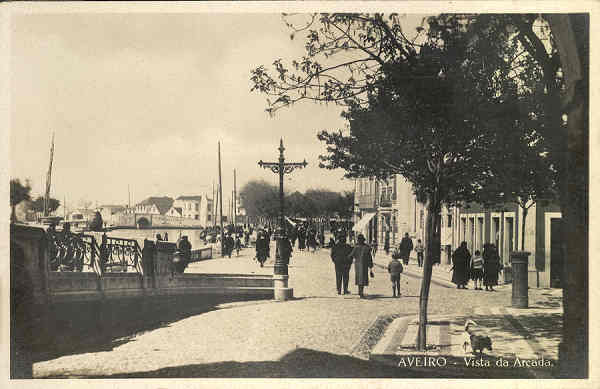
x=143, y=222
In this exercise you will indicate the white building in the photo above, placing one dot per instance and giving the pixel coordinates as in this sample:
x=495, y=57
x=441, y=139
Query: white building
x=197, y=207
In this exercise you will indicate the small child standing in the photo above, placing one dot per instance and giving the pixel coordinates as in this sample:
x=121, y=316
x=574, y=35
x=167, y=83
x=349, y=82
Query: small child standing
x=395, y=268
x=419, y=248
x=477, y=269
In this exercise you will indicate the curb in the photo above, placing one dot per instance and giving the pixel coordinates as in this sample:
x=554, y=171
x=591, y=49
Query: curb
x=412, y=274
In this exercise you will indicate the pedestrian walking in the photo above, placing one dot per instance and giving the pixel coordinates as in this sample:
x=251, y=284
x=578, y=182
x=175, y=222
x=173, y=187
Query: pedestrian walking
x=158, y=237
x=311, y=240
x=228, y=245
x=491, y=266
x=238, y=245
x=166, y=236
x=262, y=248
x=460, y=266
x=363, y=261
x=395, y=268
x=419, y=248
x=477, y=269
x=386, y=244
x=406, y=246
x=340, y=256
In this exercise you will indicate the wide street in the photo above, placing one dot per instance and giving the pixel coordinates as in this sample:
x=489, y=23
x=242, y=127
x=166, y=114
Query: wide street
x=317, y=334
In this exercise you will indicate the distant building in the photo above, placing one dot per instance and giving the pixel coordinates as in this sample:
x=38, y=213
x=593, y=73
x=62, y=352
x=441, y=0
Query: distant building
x=175, y=211
x=155, y=205
x=198, y=207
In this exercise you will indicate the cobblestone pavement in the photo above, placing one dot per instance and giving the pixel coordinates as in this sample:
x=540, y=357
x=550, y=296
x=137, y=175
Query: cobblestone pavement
x=312, y=335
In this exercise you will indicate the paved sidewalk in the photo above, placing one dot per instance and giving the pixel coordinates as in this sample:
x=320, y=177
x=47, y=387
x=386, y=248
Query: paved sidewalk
x=524, y=341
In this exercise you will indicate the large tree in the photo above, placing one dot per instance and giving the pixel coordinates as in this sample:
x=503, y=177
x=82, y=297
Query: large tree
x=552, y=63
x=346, y=59
x=260, y=199
x=408, y=111
x=18, y=192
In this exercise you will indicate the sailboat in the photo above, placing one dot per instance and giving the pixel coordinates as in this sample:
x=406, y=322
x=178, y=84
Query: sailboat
x=52, y=220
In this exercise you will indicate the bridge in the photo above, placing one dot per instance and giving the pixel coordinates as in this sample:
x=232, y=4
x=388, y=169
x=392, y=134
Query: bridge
x=149, y=220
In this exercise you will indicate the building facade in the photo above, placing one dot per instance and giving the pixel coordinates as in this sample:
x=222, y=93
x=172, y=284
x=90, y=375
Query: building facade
x=389, y=209
x=503, y=226
x=198, y=207
x=155, y=205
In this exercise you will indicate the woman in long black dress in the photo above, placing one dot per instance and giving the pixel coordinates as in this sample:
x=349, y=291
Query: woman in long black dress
x=460, y=265
x=491, y=266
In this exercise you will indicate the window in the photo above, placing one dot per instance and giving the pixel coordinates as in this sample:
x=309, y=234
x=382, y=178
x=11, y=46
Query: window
x=209, y=217
x=449, y=220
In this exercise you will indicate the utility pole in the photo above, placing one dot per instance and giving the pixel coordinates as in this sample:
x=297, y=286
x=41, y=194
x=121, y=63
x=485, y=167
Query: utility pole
x=282, y=257
x=234, y=199
x=213, y=208
x=221, y=203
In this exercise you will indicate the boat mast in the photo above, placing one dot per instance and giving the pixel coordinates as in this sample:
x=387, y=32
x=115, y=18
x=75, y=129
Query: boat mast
x=49, y=179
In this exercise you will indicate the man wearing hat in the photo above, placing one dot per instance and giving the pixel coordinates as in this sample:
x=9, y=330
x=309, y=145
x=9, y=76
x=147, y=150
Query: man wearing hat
x=363, y=261
x=340, y=255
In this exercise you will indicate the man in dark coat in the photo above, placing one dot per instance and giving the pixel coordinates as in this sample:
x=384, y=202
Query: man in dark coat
x=460, y=266
x=363, y=261
x=406, y=246
x=262, y=247
x=185, y=251
x=229, y=244
x=340, y=255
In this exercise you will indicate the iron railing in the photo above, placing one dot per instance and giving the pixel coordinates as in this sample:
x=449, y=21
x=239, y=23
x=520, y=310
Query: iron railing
x=120, y=255
x=72, y=252
x=79, y=252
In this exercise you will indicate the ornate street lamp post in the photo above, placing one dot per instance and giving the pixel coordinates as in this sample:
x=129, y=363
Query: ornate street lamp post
x=282, y=257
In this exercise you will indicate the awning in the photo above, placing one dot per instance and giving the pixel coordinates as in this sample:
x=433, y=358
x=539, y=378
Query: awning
x=362, y=223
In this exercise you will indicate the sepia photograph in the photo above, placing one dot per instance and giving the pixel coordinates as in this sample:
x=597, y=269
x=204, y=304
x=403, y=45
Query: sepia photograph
x=381, y=192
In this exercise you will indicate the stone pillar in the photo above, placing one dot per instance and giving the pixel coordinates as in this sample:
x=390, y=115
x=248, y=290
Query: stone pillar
x=520, y=281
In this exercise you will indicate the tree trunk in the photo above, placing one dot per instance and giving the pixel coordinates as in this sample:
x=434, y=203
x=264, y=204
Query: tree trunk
x=572, y=36
x=432, y=235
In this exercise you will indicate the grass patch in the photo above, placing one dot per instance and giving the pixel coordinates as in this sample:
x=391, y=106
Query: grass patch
x=372, y=335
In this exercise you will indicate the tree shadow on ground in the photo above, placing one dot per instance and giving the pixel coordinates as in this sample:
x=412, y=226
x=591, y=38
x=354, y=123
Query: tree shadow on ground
x=300, y=363
x=306, y=363
x=93, y=327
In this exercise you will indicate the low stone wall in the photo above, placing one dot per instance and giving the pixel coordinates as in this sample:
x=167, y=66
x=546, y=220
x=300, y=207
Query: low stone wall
x=89, y=304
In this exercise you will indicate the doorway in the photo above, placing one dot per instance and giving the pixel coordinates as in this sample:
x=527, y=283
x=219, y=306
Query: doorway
x=556, y=254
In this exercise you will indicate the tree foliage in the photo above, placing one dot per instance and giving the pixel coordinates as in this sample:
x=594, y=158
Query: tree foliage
x=19, y=192
x=259, y=198
x=38, y=204
x=441, y=109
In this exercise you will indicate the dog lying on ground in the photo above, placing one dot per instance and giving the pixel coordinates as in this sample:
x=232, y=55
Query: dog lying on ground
x=476, y=338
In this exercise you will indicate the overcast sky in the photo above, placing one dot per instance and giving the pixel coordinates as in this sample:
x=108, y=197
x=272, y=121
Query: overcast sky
x=142, y=99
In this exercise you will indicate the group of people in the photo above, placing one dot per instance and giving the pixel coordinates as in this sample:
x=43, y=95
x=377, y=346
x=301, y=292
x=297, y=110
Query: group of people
x=482, y=268
x=343, y=256
x=308, y=237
